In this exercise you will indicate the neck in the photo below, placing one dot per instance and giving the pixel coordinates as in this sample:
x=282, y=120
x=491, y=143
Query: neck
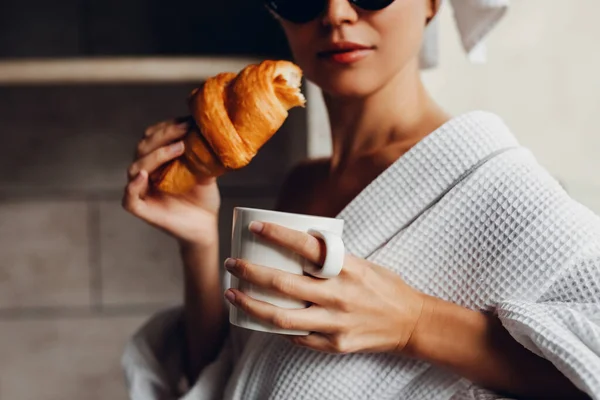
x=399, y=114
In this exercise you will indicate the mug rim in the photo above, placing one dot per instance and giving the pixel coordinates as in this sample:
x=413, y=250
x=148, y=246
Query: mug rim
x=283, y=213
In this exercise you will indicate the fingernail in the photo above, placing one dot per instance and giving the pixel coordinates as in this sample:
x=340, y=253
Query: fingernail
x=177, y=148
x=230, y=263
x=230, y=296
x=256, y=227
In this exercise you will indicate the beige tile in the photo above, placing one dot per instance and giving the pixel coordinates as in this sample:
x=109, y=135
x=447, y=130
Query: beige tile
x=64, y=359
x=44, y=254
x=139, y=263
x=83, y=138
x=79, y=137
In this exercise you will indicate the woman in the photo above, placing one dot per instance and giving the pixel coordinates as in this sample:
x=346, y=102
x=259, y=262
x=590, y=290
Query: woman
x=471, y=272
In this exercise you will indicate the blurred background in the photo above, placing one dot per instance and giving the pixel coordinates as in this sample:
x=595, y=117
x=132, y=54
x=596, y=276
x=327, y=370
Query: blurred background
x=81, y=79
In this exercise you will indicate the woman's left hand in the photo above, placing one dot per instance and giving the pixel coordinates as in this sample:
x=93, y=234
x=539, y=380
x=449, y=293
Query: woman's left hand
x=366, y=308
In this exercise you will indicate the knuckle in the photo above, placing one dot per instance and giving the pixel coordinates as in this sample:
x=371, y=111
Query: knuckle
x=153, y=129
x=163, y=153
x=340, y=344
x=129, y=205
x=268, y=230
x=282, y=320
x=338, y=302
x=132, y=171
x=130, y=191
x=242, y=268
x=141, y=148
x=125, y=203
x=355, y=271
x=243, y=303
x=172, y=130
x=307, y=244
x=162, y=132
x=283, y=283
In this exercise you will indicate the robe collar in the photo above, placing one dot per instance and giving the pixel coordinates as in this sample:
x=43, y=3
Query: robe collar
x=425, y=173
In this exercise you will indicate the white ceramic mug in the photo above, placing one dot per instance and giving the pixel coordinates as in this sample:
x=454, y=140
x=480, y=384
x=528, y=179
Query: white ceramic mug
x=247, y=246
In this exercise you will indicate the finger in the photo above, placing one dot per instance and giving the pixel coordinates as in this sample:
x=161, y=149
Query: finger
x=155, y=159
x=329, y=343
x=151, y=130
x=312, y=319
x=133, y=199
x=314, y=341
x=161, y=137
x=300, y=243
x=296, y=286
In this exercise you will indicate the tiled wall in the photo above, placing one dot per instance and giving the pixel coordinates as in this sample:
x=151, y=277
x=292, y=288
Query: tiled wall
x=77, y=273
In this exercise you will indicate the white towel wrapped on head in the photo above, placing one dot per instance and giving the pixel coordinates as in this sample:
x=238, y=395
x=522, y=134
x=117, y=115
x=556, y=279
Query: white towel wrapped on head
x=474, y=20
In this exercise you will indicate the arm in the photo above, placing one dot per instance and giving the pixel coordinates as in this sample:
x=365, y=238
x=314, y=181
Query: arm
x=190, y=218
x=204, y=312
x=205, y=315
x=476, y=346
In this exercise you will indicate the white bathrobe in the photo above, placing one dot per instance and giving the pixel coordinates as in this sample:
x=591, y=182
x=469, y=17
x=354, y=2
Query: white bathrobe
x=466, y=215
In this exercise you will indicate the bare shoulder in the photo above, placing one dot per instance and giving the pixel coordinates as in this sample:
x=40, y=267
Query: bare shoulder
x=300, y=183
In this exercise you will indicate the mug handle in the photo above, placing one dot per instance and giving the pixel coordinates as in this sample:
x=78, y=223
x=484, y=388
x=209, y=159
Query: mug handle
x=334, y=257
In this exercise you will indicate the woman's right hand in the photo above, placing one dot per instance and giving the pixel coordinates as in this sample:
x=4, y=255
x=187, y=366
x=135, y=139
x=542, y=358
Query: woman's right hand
x=191, y=218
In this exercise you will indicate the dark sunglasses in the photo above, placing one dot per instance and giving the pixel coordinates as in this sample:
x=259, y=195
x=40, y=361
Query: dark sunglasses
x=302, y=11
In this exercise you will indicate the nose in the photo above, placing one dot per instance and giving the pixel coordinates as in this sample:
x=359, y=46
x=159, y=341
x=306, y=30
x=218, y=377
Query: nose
x=339, y=12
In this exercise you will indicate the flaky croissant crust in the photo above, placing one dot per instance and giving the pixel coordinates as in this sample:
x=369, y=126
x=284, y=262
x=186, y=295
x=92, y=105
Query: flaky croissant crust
x=235, y=115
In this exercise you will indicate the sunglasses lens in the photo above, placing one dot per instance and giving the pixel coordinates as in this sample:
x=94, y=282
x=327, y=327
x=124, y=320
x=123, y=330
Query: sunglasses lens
x=301, y=11
x=297, y=11
x=372, y=5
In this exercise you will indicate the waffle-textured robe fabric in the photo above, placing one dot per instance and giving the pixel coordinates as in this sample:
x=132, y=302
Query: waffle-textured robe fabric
x=467, y=215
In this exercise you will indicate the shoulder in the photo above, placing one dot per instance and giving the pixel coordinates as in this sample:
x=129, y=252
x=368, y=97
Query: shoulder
x=515, y=187
x=300, y=182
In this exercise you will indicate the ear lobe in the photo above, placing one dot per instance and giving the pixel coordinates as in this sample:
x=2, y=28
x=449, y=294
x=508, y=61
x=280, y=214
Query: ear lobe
x=434, y=7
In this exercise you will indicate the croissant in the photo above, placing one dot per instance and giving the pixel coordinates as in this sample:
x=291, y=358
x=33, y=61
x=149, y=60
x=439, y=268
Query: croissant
x=234, y=115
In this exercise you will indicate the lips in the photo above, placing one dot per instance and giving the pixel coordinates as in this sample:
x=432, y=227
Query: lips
x=345, y=52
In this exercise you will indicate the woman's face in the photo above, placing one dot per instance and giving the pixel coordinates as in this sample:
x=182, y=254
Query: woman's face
x=352, y=52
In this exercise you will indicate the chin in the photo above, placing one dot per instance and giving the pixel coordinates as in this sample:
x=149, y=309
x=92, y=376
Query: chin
x=350, y=83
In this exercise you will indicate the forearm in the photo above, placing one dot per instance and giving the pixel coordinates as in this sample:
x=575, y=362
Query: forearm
x=205, y=314
x=477, y=347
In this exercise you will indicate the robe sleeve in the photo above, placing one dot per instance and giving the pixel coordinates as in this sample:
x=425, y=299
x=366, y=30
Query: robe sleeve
x=562, y=327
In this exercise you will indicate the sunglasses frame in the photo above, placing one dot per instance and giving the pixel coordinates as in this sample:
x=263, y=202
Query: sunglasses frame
x=367, y=5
